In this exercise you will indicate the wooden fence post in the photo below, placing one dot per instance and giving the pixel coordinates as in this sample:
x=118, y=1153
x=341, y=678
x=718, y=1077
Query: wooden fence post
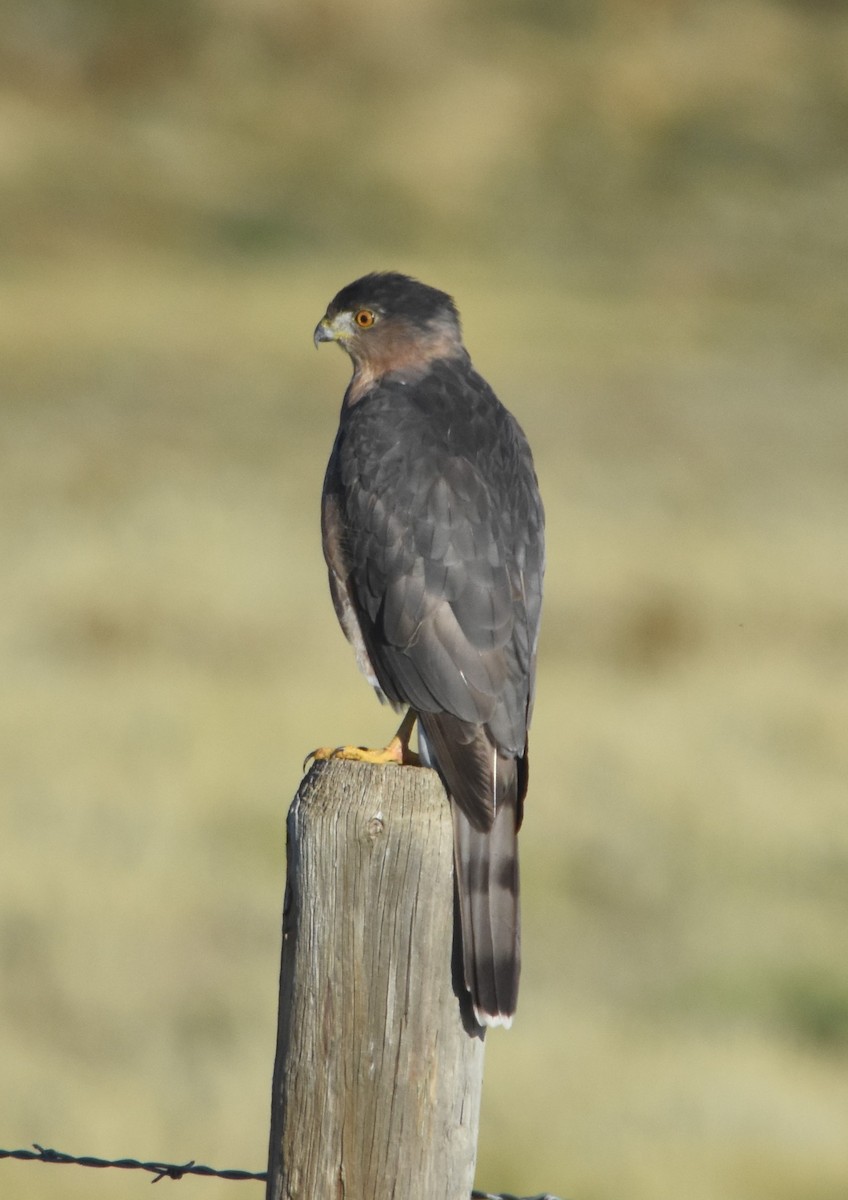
x=379, y=1065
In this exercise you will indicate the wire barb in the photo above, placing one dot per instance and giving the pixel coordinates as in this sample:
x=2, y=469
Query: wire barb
x=172, y=1172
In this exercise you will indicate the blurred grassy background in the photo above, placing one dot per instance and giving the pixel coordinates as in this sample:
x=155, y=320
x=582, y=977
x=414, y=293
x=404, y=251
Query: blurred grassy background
x=642, y=209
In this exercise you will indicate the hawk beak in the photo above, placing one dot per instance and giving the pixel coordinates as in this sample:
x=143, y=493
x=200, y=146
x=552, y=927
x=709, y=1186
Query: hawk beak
x=324, y=332
x=339, y=328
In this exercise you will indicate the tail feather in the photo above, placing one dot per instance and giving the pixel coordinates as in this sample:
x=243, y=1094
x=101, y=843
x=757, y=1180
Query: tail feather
x=487, y=886
x=487, y=789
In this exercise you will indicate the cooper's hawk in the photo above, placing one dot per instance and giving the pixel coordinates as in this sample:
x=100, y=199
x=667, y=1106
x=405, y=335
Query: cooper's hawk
x=434, y=538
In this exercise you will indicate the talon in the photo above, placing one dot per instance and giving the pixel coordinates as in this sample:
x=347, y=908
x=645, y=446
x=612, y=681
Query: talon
x=320, y=755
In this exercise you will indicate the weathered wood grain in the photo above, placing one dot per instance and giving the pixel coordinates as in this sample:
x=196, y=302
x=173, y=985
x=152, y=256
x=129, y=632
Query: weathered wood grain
x=379, y=1069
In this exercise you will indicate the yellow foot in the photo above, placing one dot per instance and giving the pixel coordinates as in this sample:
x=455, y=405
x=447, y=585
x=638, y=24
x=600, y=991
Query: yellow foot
x=397, y=751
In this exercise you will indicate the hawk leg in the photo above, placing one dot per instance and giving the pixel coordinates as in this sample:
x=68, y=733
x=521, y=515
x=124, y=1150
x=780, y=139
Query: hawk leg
x=397, y=751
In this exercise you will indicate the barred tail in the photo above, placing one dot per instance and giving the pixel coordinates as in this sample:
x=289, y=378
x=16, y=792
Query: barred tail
x=487, y=789
x=487, y=887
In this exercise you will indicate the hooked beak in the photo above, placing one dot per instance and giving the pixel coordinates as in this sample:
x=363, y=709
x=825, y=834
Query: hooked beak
x=323, y=332
x=338, y=328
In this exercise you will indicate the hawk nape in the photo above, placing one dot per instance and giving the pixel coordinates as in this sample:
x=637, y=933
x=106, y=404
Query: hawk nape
x=434, y=537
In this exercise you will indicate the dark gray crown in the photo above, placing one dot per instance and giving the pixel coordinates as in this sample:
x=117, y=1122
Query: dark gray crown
x=396, y=295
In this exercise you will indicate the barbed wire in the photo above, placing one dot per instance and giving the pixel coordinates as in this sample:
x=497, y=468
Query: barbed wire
x=176, y=1171
x=157, y=1169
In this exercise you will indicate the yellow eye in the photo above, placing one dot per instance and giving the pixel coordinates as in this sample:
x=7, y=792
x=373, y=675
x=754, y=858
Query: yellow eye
x=364, y=318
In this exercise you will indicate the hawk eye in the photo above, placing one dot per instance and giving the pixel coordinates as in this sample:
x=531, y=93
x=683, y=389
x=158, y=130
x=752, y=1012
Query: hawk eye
x=364, y=318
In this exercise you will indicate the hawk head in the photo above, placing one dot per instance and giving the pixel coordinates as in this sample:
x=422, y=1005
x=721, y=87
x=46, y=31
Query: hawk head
x=387, y=321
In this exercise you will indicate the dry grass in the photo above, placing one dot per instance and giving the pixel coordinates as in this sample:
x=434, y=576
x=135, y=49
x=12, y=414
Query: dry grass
x=676, y=354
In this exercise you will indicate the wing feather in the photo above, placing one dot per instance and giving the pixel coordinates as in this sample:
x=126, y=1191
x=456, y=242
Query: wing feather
x=440, y=541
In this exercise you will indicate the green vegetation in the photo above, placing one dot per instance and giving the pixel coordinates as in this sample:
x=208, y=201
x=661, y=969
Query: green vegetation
x=642, y=210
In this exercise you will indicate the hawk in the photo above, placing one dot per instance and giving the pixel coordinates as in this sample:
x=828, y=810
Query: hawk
x=433, y=532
